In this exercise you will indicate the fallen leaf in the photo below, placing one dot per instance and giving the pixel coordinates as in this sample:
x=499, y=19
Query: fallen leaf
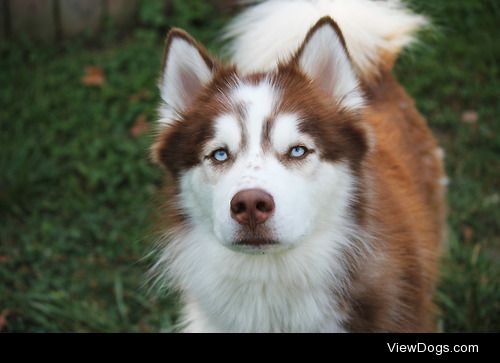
x=144, y=327
x=3, y=258
x=469, y=117
x=140, y=126
x=468, y=233
x=94, y=76
x=475, y=253
x=3, y=319
x=142, y=95
x=492, y=199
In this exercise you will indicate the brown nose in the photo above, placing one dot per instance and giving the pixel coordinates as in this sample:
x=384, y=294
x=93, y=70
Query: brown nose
x=251, y=207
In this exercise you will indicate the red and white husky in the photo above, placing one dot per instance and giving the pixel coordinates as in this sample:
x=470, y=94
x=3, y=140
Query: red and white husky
x=307, y=191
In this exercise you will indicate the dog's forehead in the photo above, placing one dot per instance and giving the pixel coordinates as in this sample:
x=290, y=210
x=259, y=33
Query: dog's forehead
x=258, y=104
x=256, y=114
x=258, y=99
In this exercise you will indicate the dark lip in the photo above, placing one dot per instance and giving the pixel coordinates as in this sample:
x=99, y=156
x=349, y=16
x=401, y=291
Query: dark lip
x=256, y=242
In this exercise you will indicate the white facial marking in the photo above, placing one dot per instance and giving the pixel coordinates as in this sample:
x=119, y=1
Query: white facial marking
x=259, y=102
x=227, y=133
x=286, y=134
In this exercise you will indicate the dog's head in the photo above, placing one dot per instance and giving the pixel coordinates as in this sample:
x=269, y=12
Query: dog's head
x=262, y=161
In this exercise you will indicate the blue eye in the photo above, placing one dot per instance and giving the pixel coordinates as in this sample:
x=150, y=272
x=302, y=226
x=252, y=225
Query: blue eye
x=298, y=151
x=220, y=155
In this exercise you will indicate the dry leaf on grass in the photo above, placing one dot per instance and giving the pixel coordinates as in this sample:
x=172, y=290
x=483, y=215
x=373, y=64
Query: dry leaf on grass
x=3, y=319
x=468, y=233
x=140, y=126
x=142, y=95
x=469, y=117
x=94, y=76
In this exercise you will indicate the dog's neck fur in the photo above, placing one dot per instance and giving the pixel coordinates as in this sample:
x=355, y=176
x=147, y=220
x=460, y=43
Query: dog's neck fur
x=300, y=290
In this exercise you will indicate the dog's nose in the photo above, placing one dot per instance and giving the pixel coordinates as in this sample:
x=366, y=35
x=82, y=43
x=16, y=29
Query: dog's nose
x=251, y=207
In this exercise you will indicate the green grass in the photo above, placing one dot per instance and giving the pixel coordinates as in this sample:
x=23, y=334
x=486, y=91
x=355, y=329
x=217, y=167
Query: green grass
x=76, y=188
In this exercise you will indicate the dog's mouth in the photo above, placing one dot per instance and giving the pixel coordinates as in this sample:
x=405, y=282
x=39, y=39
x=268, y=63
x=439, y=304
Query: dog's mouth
x=256, y=242
x=259, y=240
x=255, y=245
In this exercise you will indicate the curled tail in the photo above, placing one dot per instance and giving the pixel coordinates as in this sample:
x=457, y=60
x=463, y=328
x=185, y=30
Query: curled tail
x=270, y=31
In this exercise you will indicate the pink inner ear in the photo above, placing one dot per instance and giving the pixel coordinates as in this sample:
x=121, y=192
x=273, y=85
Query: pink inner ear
x=325, y=74
x=190, y=84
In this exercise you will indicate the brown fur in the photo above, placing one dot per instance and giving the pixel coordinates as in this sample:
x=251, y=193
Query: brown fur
x=406, y=211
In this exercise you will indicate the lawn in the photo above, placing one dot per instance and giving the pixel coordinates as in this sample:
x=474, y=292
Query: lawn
x=77, y=189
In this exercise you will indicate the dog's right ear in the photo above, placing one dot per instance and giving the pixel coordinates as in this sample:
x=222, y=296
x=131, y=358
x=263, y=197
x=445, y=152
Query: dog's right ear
x=323, y=57
x=187, y=68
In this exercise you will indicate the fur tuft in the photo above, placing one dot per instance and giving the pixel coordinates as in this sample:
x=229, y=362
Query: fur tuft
x=270, y=31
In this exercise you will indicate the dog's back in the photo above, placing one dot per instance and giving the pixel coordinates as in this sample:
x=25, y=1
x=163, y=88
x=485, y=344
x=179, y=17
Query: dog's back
x=407, y=212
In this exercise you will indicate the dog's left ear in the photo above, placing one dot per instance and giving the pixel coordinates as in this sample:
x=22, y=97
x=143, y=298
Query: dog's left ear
x=187, y=68
x=323, y=57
